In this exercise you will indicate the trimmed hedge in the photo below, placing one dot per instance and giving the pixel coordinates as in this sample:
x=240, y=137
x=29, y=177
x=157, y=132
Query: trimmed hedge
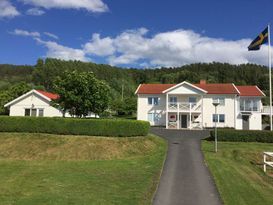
x=72, y=126
x=243, y=135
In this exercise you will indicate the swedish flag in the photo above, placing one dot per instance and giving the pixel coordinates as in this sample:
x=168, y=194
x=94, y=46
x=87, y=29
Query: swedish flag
x=257, y=42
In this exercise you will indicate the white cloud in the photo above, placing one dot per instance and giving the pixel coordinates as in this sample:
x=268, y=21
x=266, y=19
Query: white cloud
x=51, y=35
x=99, y=46
x=173, y=48
x=35, y=12
x=20, y=32
x=58, y=51
x=170, y=49
x=7, y=9
x=90, y=5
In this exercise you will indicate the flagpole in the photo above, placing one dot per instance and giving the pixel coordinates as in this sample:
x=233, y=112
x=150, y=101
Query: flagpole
x=270, y=81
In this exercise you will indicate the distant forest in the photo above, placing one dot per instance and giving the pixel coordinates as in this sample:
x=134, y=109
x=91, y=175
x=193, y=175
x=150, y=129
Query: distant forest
x=43, y=74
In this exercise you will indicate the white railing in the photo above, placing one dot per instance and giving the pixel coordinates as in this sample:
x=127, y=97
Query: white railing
x=266, y=162
x=194, y=125
x=184, y=107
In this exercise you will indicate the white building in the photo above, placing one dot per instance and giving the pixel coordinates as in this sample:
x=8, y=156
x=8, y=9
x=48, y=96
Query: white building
x=190, y=106
x=36, y=103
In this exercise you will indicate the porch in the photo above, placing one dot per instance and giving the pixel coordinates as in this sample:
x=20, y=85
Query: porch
x=184, y=120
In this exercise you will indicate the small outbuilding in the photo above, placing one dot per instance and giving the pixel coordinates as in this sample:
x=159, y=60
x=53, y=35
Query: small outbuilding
x=36, y=103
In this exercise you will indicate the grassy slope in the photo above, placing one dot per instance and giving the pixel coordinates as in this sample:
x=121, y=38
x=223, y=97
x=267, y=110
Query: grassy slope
x=237, y=170
x=46, y=169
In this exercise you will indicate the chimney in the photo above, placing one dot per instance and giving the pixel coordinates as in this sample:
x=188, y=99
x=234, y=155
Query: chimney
x=203, y=82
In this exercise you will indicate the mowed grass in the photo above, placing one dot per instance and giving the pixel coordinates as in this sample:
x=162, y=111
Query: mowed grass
x=38, y=169
x=238, y=172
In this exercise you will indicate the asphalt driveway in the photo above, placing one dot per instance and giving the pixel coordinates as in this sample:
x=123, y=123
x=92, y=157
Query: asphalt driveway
x=185, y=178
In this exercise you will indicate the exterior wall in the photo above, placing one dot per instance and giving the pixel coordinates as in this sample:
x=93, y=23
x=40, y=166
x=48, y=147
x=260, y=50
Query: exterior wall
x=18, y=108
x=228, y=110
x=143, y=108
x=231, y=110
x=255, y=119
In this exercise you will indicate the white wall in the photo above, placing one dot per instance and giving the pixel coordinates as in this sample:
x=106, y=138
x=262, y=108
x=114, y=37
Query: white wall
x=231, y=110
x=18, y=108
x=143, y=108
x=228, y=110
x=255, y=119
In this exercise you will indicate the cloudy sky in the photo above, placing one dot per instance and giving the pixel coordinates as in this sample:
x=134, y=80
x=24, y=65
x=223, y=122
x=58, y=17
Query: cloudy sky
x=133, y=33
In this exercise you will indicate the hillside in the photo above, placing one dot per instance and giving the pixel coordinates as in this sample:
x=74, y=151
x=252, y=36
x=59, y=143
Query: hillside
x=44, y=72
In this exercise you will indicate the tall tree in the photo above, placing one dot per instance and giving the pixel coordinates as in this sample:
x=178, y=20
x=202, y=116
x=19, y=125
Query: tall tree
x=81, y=93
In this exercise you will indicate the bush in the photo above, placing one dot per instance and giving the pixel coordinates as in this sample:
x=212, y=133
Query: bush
x=72, y=126
x=243, y=135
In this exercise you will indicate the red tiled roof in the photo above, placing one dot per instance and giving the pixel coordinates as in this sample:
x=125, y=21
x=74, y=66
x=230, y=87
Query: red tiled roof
x=249, y=91
x=210, y=88
x=153, y=88
x=218, y=88
x=51, y=96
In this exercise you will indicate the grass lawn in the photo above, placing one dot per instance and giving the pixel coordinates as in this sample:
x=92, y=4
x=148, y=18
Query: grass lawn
x=38, y=169
x=237, y=170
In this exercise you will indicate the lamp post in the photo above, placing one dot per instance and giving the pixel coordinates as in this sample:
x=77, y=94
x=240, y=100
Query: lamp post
x=215, y=104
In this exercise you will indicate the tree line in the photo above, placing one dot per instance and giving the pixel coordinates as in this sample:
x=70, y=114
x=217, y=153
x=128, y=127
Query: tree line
x=123, y=82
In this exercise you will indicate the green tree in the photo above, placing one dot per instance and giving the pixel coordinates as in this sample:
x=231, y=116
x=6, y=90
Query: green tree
x=81, y=93
x=12, y=93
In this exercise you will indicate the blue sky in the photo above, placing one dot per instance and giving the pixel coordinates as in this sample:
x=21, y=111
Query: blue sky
x=133, y=33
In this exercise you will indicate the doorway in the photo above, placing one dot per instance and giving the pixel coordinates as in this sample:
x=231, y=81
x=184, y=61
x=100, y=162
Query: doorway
x=184, y=121
x=245, y=122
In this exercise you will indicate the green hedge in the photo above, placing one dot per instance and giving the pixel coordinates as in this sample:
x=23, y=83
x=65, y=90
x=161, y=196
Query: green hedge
x=243, y=135
x=72, y=126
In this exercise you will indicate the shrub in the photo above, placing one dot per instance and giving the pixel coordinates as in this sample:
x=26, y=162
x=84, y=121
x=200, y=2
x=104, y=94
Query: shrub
x=243, y=135
x=72, y=126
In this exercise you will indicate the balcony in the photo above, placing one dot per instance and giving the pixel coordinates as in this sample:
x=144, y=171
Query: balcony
x=184, y=107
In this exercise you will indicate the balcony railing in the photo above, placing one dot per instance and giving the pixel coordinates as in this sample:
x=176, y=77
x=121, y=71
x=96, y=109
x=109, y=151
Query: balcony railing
x=184, y=107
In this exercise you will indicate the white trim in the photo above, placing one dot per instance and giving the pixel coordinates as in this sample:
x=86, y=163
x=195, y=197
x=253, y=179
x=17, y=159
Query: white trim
x=236, y=88
x=137, y=89
x=184, y=82
x=25, y=95
x=260, y=91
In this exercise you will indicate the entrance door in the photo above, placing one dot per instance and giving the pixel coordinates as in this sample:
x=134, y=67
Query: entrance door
x=184, y=121
x=245, y=122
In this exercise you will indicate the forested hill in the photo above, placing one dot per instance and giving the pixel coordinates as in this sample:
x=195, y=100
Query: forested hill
x=44, y=72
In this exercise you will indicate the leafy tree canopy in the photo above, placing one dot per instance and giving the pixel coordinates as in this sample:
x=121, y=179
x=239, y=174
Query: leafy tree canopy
x=81, y=93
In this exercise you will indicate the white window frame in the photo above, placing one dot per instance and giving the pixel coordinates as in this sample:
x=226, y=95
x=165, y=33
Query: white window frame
x=218, y=118
x=155, y=117
x=172, y=101
x=153, y=101
x=192, y=97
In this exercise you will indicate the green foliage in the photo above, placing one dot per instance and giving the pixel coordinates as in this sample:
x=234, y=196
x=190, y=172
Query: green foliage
x=124, y=107
x=81, y=93
x=11, y=93
x=243, y=135
x=45, y=72
x=72, y=126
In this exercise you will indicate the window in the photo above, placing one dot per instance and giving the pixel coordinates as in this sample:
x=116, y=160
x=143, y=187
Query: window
x=33, y=112
x=41, y=112
x=153, y=101
x=221, y=118
x=27, y=112
x=221, y=100
x=215, y=118
x=153, y=117
x=173, y=100
x=218, y=118
x=192, y=100
x=249, y=104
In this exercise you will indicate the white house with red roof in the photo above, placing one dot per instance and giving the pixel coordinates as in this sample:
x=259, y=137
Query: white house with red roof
x=36, y=103
x=190, y=106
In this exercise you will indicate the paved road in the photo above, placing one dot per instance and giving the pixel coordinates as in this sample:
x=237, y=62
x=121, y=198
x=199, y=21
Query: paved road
x=185, y=178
